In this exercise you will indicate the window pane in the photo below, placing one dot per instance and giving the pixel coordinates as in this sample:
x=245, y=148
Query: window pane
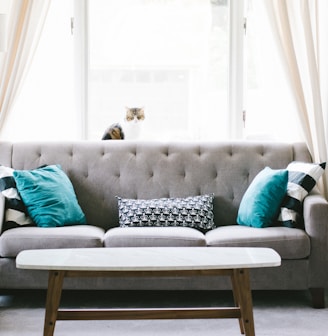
x=271, y=111
x=168, y=56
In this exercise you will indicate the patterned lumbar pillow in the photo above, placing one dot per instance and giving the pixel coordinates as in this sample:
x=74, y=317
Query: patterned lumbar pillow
x=302, y=177
x=195, y=212
x=15, y=210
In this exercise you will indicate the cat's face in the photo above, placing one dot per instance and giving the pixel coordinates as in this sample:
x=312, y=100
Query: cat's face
x=135, y=114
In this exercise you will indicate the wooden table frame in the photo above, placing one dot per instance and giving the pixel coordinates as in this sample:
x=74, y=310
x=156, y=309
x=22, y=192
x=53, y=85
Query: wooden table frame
x=243, y=309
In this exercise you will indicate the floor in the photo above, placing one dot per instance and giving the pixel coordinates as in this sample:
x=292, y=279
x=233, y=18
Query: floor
x=276, y=313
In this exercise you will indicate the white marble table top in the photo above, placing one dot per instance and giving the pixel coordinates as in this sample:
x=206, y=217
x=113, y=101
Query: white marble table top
x=147, y=258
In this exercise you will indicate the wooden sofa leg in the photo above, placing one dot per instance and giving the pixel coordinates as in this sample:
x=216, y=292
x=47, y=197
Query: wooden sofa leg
x=318, y=297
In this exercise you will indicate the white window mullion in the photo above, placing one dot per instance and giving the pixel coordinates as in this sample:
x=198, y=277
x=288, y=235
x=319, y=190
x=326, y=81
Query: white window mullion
x=236, y=69
x=81, y=57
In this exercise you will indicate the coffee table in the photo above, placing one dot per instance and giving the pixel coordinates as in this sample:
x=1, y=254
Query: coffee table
x=154, y=262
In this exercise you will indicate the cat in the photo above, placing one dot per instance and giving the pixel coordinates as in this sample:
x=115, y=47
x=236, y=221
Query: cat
x=113, y=132
x=134, y=122
x=134, y=116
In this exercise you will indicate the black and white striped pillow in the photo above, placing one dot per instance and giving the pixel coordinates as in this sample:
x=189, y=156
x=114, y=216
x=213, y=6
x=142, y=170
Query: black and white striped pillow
x=302, y=177
x=15, y=211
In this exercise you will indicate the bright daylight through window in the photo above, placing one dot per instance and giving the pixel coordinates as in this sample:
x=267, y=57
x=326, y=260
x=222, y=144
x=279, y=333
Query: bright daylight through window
x=168, y=56
x=188, y=63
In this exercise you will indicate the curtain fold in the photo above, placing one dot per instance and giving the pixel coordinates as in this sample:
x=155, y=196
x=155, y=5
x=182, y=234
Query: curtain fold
x=25, y=23
x=301, y=38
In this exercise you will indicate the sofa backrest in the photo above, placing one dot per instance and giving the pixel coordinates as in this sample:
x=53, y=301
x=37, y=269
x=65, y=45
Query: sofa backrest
x=101, y=170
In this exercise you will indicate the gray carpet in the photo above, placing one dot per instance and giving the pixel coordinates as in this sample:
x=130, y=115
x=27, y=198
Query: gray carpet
x=275, y=313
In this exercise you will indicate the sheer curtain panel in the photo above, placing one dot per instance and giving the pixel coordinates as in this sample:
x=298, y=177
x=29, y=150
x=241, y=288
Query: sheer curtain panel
x=301, y=30
x=25, y=23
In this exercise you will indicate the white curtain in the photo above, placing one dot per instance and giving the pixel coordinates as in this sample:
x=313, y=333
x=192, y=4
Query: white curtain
x=25, y=23
x=301, y=30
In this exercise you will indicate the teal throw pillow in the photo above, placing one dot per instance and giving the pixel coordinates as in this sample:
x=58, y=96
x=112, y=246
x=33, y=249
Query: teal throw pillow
x=261, y=202
x=49, y=196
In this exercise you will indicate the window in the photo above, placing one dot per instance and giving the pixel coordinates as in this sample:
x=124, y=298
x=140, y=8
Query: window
x=187, y=62
x=168, y=56
x=269, y=105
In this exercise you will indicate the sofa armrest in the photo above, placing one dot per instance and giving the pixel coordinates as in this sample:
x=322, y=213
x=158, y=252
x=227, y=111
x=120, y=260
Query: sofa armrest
x=2, y=211
x=315, y=211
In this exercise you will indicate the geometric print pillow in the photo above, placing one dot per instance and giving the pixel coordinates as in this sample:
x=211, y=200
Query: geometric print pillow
x=302, y=177
x=15, y=211
x=194, y=212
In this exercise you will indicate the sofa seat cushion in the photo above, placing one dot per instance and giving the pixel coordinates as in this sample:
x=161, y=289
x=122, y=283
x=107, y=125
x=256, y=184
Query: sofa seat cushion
x=153, y=236
x=289, y=243
x=16, y=240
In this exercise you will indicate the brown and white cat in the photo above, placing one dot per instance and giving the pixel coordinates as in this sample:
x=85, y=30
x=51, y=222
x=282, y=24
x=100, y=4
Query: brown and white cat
x=134, y=116
x=134, y=122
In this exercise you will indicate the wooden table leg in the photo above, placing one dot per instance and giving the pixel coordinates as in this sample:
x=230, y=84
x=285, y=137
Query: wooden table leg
x=55, y=284
x=244, y=296
x=236, y=295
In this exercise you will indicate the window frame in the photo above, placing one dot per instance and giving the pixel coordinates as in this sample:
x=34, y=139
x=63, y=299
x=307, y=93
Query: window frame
x=236, y=76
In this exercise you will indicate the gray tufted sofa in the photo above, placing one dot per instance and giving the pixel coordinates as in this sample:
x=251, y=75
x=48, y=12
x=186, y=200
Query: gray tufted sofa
x=101, y=170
